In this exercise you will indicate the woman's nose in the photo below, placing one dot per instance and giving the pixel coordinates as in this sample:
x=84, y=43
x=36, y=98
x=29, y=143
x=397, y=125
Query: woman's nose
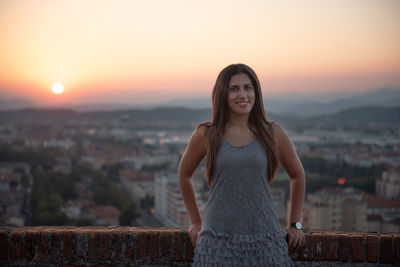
x=242, y=93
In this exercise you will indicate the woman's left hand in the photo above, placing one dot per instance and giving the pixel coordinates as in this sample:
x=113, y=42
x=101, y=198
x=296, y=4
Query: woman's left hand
x=295, y=238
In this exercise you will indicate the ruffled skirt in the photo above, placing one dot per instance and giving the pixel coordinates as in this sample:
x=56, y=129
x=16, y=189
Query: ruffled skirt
x=226, y=249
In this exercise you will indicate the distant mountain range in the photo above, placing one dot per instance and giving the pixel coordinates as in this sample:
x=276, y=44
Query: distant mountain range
x=362, y=115
x=383, y=97
x=283, y=106
x=185, y=116
x=16, y=103
x=302, y=108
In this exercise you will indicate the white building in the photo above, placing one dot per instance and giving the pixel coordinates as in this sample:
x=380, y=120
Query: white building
x=139, y=161
x=389, y=186
x=335, y=209
x=168, y=203
x=65, y=143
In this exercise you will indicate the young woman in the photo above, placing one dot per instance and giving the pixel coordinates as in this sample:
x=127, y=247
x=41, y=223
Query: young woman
x=243, y=151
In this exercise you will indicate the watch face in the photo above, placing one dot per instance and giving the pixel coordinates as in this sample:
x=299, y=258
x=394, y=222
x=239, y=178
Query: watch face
x=298, y=225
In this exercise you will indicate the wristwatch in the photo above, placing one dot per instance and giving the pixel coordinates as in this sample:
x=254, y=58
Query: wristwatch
x=296, y=225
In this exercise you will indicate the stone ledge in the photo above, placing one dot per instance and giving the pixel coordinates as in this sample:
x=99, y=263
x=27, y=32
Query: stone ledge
x=163, y=246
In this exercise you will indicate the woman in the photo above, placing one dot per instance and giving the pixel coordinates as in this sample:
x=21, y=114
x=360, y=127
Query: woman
x=243, y=151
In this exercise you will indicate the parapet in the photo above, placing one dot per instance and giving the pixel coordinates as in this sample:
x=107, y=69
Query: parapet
x=162, y=246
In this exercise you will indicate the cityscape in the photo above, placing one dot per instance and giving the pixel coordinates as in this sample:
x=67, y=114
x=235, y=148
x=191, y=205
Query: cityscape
x=63, y=167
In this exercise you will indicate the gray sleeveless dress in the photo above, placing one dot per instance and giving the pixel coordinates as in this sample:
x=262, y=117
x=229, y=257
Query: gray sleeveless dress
x=239, y=224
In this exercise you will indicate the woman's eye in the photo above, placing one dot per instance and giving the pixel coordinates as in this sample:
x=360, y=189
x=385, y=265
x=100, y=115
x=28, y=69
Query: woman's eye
x=233, y=88
x=248, y=88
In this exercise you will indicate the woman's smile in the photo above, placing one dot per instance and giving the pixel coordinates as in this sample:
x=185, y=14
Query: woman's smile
x=243, y=103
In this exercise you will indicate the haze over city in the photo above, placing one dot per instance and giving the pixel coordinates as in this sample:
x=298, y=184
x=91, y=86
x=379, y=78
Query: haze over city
x=135, y=52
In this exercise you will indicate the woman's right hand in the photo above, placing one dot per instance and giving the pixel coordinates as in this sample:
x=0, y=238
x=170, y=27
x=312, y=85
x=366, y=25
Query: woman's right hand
x=193, y=231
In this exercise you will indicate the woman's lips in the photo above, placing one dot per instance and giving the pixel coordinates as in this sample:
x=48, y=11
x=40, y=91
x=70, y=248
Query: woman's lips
x=243, y=103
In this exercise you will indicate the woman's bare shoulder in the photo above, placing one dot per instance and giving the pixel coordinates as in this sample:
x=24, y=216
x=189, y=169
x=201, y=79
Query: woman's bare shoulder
x=277, y=127
x=202, y=129
x=200, y=134
x=196, y=149
x=278, y=131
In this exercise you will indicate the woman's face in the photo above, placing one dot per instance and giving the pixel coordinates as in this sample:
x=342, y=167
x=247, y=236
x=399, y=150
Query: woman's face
x=241, y=94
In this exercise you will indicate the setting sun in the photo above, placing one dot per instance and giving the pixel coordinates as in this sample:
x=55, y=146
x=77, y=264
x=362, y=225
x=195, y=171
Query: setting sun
x=58, y=88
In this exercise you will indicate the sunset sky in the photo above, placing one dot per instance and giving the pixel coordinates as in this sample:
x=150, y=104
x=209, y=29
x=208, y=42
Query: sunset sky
x=154, y=51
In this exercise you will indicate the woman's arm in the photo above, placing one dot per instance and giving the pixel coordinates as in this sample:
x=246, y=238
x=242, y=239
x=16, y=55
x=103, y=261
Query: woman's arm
x=194, y=153
x=294, y=168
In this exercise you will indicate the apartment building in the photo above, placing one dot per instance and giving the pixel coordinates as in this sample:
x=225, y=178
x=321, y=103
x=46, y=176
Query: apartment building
x=389, y=185
x=335, y=209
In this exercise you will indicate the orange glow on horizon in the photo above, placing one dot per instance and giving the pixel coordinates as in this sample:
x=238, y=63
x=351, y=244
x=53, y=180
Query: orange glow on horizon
x=136, y=50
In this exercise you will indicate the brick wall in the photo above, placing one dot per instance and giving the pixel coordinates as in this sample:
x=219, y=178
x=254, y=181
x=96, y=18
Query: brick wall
x=138, y=246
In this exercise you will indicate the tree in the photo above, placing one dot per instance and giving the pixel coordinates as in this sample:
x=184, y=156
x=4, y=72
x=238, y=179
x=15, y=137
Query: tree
x=128, y=213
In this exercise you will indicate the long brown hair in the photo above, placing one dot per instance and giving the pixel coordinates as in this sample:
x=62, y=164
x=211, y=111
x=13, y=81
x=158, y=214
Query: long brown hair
x=259, y=125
